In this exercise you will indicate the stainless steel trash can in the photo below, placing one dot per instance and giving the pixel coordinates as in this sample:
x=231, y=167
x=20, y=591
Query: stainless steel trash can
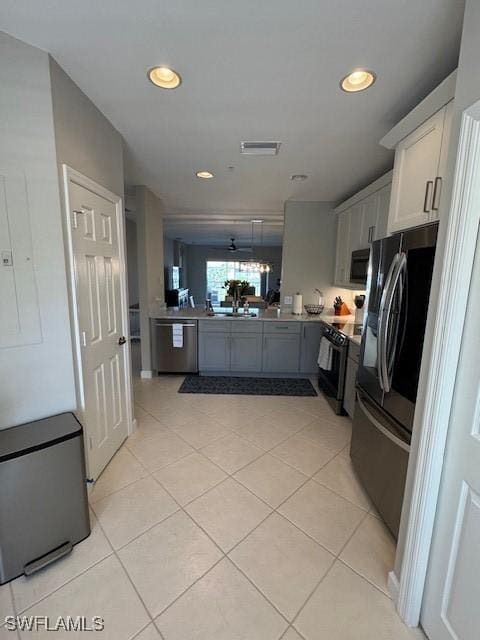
x=43, y=497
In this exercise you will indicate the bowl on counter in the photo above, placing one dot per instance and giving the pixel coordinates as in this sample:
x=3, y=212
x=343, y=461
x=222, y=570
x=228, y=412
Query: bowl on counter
x=314, y=309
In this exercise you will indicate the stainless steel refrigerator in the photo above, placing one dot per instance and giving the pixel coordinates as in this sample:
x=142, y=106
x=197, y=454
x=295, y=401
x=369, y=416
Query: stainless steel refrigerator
x=398, y=291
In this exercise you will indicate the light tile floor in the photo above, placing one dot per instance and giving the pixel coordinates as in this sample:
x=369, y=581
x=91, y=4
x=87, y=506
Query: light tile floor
x=225, y=518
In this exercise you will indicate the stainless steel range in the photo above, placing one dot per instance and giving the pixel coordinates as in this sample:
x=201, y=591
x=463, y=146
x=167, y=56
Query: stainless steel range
x=331, y=376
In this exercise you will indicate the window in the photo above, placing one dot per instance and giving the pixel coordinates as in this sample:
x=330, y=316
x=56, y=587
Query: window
x=219, y=271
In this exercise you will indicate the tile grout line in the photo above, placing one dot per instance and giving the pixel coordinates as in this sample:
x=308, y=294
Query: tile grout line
x=181, y=508
x=337, y=558
x=275, y=510
x=362, y=576
x=128, y=578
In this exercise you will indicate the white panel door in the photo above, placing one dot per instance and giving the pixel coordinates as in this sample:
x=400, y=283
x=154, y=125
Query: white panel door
x=451, y=603
x=96, y=254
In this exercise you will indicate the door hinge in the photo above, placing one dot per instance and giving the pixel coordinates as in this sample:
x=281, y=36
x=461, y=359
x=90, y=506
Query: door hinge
x=90, y=442
x=89, y=480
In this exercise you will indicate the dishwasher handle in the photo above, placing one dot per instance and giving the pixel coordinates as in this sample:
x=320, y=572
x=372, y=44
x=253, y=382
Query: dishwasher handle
x=174, y=324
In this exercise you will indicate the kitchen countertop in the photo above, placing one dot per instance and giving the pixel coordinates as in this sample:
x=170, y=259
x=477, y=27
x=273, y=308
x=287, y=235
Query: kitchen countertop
x=273, y=315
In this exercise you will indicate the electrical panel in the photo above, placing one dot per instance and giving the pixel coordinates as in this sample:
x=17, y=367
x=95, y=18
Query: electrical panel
x=19, y=306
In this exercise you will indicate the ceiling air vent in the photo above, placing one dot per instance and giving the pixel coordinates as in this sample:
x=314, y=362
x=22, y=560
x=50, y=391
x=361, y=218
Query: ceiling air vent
x=260, y=148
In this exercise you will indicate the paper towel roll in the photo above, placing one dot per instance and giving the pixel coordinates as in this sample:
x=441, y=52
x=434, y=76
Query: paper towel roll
x=297, y=304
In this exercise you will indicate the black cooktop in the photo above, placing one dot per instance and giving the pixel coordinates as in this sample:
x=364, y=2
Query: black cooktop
x=348, y=329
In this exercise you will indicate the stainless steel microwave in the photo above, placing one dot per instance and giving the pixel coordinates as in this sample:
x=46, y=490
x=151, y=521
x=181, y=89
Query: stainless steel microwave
x=359, y=266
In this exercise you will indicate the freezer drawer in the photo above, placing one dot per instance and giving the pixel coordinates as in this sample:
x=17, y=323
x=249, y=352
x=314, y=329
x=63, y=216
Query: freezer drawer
x=167, y=358
x=379, y=453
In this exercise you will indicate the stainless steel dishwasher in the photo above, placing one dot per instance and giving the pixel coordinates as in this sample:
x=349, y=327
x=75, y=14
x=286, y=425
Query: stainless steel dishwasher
x=174, y=345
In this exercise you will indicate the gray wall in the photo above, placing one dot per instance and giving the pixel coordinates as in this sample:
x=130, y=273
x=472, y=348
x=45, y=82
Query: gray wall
x=309, y=246
x=132, y=260
x=168, y=251
x=84, y=138
x=35, y=380
x=151, y=289
x=197, y=256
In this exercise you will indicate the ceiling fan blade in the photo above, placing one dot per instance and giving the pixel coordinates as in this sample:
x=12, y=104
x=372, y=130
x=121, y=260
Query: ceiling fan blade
x=245, y=249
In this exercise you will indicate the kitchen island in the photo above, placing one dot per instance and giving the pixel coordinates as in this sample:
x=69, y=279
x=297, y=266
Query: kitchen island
x=266, y=343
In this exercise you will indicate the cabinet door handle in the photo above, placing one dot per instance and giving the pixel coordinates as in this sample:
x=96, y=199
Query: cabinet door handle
x=428, y=188
x=436, y=193
x=371, y=231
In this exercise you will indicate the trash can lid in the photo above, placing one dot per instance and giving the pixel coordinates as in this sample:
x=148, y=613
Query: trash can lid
x=29, y=437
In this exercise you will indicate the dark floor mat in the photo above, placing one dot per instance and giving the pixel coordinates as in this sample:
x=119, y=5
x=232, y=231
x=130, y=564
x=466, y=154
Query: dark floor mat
x=248, y=386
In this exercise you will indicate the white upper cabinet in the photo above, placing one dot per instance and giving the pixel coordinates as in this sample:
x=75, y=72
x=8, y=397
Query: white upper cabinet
x=370, y=212
x=342, y=263
x=383, y=204
x=361, y=220
x=420, y=160
x=356, y=226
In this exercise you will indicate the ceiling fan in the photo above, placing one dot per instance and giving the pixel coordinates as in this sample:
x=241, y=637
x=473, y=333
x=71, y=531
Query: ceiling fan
x=233, y=247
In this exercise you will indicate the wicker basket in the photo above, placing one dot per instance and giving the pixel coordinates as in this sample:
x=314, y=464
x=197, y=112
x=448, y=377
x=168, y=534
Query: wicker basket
x=314, y=309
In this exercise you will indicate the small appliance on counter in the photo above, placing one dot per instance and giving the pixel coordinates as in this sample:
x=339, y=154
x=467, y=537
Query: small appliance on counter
x=43, y=497
x=359, y=302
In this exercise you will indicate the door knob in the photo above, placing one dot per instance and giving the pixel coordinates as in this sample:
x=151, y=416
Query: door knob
x=122, y=340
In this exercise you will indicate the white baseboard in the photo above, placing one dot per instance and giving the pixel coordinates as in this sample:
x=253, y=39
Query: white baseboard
x=146, y=374
x=393, y=586
x=133, y=426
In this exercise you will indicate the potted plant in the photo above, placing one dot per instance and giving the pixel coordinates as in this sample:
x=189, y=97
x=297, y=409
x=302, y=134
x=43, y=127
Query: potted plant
x=239, y=286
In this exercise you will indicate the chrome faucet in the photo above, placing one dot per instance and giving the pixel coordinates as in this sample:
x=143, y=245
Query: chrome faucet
x=235, y=301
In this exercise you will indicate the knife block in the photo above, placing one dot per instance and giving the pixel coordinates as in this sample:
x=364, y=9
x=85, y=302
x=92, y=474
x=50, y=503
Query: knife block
x=342, y=310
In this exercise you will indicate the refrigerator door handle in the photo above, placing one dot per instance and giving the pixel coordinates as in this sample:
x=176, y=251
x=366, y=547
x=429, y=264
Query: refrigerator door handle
x=378, y=425
x=387, y=359
x=381, y=316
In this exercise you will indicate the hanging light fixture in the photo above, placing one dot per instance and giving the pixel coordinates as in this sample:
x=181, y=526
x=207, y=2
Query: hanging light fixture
x=254, y=266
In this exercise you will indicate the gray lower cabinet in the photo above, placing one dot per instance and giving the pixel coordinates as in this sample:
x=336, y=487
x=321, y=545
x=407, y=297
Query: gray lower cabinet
x=254, y=346
x=246, y=351
x=311, y=335
x=214, y=351
x=281, y=353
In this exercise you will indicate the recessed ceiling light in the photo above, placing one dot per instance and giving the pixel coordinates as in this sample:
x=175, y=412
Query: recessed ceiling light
x=164, y=77
x=259, y=220
x=358, y=80
x=298, y=177
x=204, y=174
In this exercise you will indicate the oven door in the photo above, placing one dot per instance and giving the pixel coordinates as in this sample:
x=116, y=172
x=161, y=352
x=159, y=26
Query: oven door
x=332, y=381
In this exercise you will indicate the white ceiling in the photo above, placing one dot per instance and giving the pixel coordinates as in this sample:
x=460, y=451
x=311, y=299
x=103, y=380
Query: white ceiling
x=252, y=70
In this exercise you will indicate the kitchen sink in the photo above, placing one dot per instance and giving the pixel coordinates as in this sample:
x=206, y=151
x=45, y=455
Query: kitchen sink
x=230, y=314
